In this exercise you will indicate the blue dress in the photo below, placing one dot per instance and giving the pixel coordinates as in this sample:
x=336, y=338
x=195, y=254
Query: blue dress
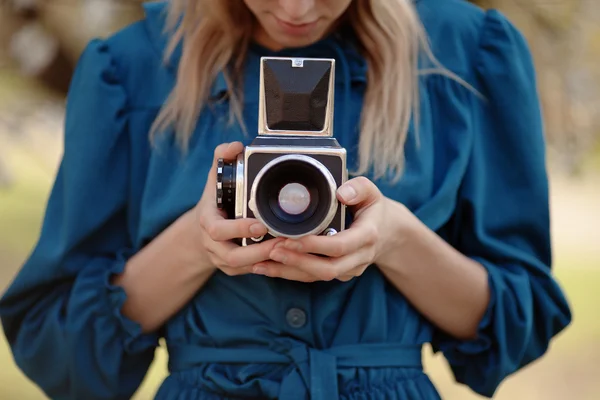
x=477, y=178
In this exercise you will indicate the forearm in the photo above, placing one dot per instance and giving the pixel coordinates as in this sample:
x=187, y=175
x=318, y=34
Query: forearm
x=448, y=288
x=162, y=277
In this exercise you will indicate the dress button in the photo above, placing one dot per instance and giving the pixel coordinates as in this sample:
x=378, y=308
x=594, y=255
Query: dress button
x=296, y=318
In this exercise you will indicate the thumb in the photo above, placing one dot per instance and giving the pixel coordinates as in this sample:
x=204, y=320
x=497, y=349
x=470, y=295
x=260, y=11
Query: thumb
x=226, y=151
x=359, y=192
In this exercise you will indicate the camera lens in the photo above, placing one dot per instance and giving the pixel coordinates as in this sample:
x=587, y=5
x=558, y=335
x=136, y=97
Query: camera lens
x=294, y=198
x=294, y=195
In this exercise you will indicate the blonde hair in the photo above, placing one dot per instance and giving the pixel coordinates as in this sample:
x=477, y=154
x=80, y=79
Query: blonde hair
x=215, y=36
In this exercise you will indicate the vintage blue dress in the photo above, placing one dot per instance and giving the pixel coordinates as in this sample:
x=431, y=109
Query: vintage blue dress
x=477, y=177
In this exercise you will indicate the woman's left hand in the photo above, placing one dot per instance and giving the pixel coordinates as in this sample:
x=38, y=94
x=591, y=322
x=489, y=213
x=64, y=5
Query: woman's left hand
x=350, y=252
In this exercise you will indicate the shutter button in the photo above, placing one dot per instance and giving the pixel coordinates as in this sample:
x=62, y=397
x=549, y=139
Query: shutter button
x=296, y=318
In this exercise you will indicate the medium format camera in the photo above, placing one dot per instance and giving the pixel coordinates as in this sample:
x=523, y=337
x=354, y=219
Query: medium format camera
x=288, y=176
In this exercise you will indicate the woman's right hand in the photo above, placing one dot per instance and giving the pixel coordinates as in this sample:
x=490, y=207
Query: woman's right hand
x=213, y=232
x=167, y=273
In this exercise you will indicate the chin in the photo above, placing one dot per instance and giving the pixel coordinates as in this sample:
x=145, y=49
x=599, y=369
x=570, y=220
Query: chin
x=290, y=42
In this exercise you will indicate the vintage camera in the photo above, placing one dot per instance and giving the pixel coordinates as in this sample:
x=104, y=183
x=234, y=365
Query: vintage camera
x=288, y=176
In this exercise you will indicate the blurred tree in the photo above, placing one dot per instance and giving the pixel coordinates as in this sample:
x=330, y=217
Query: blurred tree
x=42, y=40
x=45, y=38
x=6, y=179
x=564, y=36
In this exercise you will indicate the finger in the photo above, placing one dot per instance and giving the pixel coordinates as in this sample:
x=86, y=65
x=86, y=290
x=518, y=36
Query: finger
x=219, y=229
x=240, y=256
x=324, y=268
x=237, y=271
x=359, y=192
x=220, y=264
x=353, y=273
x=338, y=245
x=227, y=151
x=229, y=271
x=277, y=270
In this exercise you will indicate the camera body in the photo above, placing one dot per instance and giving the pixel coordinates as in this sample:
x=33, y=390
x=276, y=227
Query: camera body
x=288, y=176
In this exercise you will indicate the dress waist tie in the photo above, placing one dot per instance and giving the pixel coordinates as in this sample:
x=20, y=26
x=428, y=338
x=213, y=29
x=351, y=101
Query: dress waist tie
x=316, y=369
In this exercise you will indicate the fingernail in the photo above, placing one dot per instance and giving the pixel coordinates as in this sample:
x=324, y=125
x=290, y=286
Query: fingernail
x=280, y=244
x=257, y=229
x=290, y=244
x=259, y=270
x=347, y=192
x=278, y=256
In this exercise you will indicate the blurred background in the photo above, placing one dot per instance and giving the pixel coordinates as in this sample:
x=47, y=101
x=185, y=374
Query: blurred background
x=40, y=41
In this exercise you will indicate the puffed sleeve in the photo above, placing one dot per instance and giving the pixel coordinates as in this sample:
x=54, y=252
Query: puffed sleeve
x=502, y=218
x=61, y=314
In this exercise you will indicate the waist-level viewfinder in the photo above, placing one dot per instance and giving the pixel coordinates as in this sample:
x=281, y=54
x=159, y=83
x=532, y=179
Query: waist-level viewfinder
x=296, y=97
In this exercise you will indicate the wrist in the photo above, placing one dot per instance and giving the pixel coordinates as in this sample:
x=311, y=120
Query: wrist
x=188, y=246
x=402, y=226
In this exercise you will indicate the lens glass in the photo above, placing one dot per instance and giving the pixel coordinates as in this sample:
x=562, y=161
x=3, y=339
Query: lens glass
x=294, y=198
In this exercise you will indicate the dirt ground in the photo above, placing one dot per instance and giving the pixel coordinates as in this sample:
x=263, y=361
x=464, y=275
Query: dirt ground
x=575, y=206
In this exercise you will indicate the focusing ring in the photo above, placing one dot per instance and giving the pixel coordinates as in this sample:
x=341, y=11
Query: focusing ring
x=220, y=166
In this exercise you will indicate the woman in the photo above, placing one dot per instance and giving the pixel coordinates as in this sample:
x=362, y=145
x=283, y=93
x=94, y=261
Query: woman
x=449, y=245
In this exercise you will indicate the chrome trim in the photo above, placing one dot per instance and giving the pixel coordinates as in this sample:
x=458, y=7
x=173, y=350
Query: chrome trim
x=290, y=146
x=332, y=187
x=239, y=186
x=343, y=208
x=332, y=151
x=329, y=232
x=245, y=194
x=327, y=130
